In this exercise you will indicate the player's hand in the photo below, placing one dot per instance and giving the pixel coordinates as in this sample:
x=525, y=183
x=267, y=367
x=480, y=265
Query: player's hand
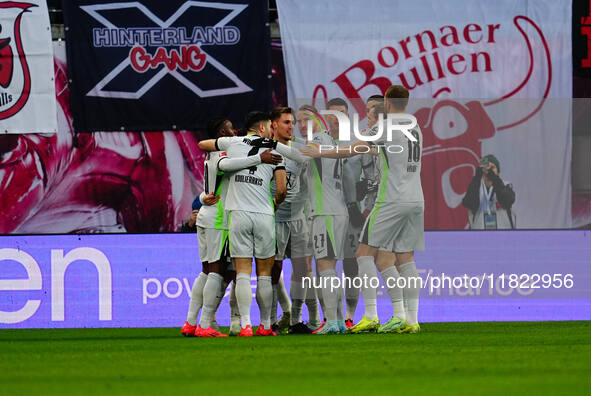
x=268, y=157
x=366, y=213
x=374, y=151
x=355, y=216
x=211, y=199
x=310, y=151
x=492, y=168
x=193, y=218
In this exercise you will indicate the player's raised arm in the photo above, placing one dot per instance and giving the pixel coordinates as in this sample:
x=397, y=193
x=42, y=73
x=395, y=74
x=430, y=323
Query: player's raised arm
x=207, y=145
x=290, y=152
x=219, y=144
x=208, y=199
x=233, y=164
x=336, y=152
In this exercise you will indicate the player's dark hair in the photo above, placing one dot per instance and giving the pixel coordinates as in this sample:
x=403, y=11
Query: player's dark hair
x=308, y=108
x=277, y=111
x=214, y=125
x=397, y=95
x=254, y=118
x=375, y=98
x=337, y=102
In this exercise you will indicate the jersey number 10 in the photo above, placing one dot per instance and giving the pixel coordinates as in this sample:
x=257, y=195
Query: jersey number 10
x=414, y=148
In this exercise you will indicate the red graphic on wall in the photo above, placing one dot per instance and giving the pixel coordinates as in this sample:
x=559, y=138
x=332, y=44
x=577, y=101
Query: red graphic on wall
x=12, y=104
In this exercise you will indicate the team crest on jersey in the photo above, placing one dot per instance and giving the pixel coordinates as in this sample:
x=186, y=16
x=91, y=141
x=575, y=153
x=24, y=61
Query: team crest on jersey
x=15, y=75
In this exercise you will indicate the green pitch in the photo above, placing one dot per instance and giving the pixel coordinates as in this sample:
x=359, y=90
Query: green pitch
x=445, y=358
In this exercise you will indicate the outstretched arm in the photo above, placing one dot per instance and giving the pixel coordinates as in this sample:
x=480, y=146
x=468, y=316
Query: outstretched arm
x=219, y=144
x=207, y=145
x=290, y=152
x=336, y=152
x=234, y=164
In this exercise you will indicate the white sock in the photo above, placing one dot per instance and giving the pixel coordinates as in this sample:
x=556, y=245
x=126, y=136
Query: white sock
x=351, y=298
x=312, y=302
x=196, y=300
x=219, y=299
x=282, y=296
x=411, y=291
x=390, y=276
x=264, y=297
x=274, y=304
x=298, y=293
x=234, y=312
x=210, y=299
x=320, y=297
x=221, y=293
x=243, y=298
x=330, y=296
x=367, y=272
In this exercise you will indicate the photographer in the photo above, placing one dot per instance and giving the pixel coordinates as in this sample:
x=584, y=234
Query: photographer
x=488, y=198
x=191, y=224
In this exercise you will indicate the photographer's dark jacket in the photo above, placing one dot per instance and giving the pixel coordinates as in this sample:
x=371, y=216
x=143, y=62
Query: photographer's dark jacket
x=499, y=201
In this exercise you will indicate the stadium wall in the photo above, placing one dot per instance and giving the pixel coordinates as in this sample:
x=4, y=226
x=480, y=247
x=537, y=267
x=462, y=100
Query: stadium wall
x=144, y=280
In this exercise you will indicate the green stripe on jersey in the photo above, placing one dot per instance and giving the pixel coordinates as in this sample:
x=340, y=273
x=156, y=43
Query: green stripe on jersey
x=219, y=215
x=381, y=194
x=271, y=193
x=318, y=191
x=224, y=237
x=328, y=221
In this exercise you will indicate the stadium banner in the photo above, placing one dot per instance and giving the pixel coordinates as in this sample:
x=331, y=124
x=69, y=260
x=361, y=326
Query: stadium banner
x=155, y=65
x=71, y=281
x=581, y=23
x=27, y=93
x=484, y=78
x=101, y=182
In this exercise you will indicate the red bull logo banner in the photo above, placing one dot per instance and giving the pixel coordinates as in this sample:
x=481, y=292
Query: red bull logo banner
x=485, y=78
x=27, y=93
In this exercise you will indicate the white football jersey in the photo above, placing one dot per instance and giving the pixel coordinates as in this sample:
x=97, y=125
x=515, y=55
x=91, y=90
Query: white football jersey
x=249, y=189
x=325, y=182
x=213, y=216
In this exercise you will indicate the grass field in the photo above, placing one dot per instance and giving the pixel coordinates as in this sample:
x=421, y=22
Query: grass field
x=445, y=358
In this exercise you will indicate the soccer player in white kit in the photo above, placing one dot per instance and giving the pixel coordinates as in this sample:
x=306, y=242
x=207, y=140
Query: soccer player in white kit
x=291, y=222
x=330, y=221
x=305, y=114
x=212, y=228
x=218, y=127
x=251, y=217
x=397, y=220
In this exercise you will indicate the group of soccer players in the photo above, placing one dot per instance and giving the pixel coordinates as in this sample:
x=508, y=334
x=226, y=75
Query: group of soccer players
x=271, y=195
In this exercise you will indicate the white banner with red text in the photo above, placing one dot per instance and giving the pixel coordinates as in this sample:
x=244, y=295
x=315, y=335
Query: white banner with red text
x=484, y=78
